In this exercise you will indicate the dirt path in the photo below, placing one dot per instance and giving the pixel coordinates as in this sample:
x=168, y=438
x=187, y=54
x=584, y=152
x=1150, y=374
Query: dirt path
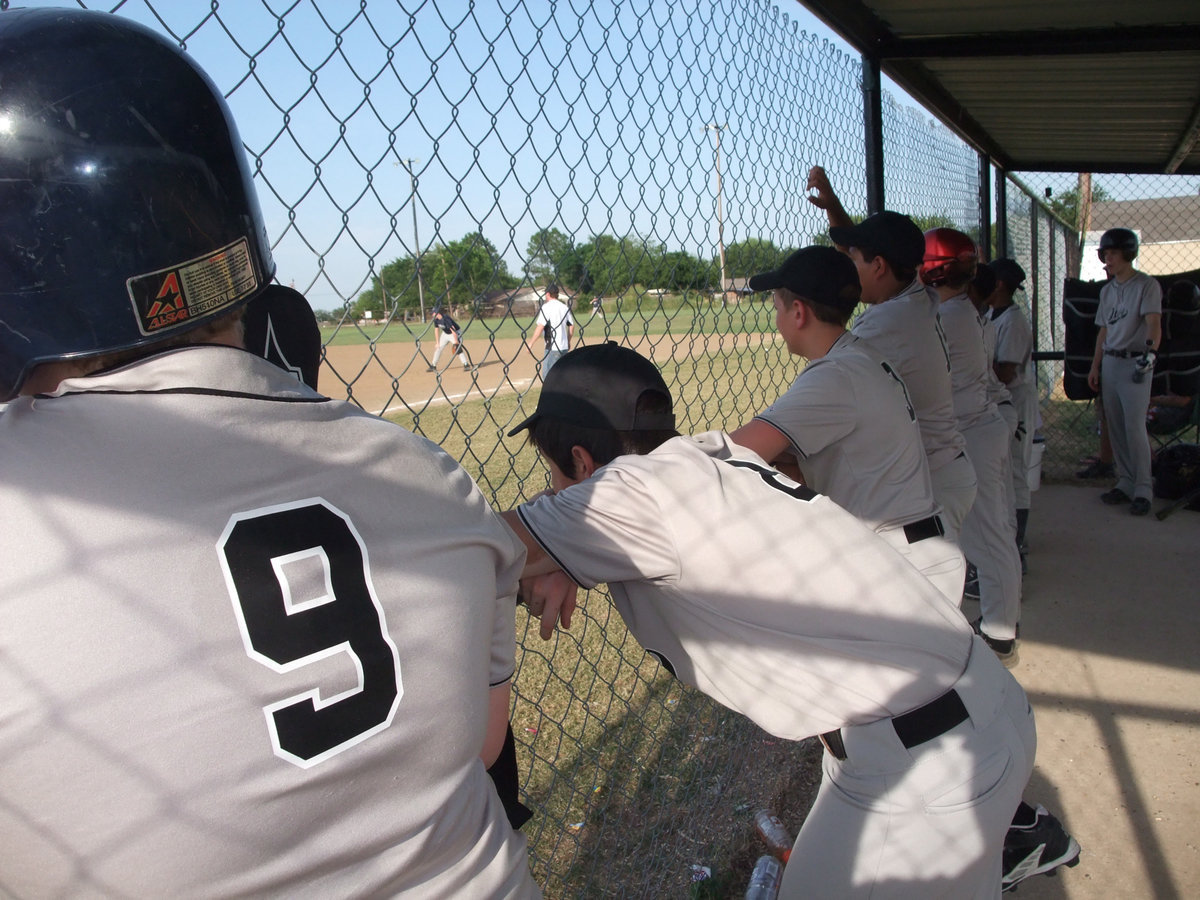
x=1109, y=659
x=394, y=376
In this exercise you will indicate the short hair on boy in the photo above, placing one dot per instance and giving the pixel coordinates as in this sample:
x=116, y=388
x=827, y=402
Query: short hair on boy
x=901, y=271
x=554, y=438
x=830, y=315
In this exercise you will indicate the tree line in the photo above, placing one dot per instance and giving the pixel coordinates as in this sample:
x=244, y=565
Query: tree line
x=462, y=273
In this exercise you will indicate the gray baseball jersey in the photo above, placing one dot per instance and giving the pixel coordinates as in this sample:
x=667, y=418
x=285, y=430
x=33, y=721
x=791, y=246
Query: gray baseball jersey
x=969, y=363
x=1123, y=308
x=249, y=634
x=997, y=390
x=1122, y=311
x=781, y=605
x=988, y=535
x=770, y=598
x=851, y=422
x=1014, y=344
x=907, y=333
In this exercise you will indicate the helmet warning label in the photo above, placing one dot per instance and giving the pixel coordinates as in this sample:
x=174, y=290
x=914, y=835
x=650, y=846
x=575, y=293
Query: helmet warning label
x=193, y=290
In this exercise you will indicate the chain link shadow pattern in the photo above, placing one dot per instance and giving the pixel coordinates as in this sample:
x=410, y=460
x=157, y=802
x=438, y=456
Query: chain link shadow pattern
x=648, y=157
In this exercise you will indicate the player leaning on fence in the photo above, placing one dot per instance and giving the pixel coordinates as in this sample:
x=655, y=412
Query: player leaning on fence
x=781, y=605
x=226, y=657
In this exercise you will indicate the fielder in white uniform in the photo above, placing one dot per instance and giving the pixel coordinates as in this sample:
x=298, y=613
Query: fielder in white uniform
x=555, y=325
x=988, y=534
x=847, y=420
x=781, y=605
x=901, y=321
x=256, y=642
x=1130, y=320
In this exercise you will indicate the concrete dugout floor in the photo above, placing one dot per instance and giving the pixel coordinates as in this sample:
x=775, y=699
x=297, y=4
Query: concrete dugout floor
x=1110, y=657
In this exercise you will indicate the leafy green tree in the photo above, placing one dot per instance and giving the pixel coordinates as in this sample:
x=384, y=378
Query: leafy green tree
x=456, y=273
x=749, y=257
x=1066, y=204
x=609, y=265
x=394, y=288
x=462, y=271
x=550, y=255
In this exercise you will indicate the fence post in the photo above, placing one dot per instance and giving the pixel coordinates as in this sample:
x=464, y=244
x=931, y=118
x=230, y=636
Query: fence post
x=1003, y=248
x=1034, y=295
x=985, y=207
x=873, y=133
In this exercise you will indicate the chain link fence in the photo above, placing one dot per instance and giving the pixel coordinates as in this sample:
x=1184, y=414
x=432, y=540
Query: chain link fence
x=648, y=157
x=1055, y=238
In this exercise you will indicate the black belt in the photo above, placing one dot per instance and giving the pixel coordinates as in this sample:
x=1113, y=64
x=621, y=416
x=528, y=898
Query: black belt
x=926, y=528
x=913, y=728
x=1124, y=354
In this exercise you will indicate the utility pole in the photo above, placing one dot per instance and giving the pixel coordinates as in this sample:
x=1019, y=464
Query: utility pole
x=412, y=181
x=720, y=206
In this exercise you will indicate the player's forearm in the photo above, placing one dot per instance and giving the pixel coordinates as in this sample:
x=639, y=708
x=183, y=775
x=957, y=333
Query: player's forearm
x=1154, y=330
x=1098, y=353
x=537, y=561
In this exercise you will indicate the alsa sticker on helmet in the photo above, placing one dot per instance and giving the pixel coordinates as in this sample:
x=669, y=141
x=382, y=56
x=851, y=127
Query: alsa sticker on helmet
x=193, y=290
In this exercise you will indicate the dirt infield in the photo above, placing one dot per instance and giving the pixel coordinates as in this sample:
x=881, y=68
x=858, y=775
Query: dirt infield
x=392, y=377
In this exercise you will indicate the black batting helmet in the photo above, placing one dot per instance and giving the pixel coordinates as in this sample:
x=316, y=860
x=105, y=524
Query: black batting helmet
x=1119, y=239
x=127, y=212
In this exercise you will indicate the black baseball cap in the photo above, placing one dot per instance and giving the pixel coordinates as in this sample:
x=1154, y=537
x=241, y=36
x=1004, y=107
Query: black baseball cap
x=1009, y=271
x=281, y=327
x=598, y=386
x=820, y=274
x=892, y=235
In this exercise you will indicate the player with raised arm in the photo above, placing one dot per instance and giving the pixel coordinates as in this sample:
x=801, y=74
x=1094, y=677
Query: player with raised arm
x=775, y=601
x=256, y=642
x=847, y=420
x=901, y=321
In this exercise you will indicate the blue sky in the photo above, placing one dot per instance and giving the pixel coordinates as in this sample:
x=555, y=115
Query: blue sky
x=583, y=116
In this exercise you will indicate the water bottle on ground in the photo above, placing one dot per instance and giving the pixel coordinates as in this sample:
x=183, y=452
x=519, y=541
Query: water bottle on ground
x=774, y=834
x=765, y=879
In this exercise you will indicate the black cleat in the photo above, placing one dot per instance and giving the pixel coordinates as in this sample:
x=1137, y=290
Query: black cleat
x=1037, y=849
x=1096, y=469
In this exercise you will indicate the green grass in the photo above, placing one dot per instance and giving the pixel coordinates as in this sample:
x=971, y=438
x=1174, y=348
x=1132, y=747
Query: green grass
x=616, y=756
x=748, y=317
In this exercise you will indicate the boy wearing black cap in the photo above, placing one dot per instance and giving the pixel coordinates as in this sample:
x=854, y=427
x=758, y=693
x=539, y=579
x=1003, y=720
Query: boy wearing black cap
x=848, y=420
x=781, y=605
x=901, y=321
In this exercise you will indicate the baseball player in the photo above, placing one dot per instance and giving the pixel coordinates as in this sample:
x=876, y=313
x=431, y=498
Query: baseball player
x=848, y=419
x=979, y=290
x=901, y=321
x=778, y=603
x=1013, y=365
x=556, y=326
x=1130, y=320
x=223, y=671
x=449, y=335
x=988, y=533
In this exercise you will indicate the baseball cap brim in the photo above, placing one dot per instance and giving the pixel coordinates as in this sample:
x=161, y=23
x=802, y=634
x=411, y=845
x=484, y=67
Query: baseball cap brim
x=598, y=386
x=892, y=235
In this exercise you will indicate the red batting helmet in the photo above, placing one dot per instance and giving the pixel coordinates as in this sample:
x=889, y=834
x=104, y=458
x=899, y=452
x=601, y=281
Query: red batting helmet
x=949, y=256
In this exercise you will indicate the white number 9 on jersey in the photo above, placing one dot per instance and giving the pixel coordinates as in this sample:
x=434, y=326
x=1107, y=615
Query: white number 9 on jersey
x=285, y=632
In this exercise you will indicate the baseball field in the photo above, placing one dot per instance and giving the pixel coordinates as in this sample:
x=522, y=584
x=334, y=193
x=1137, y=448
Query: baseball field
x=621, y=764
